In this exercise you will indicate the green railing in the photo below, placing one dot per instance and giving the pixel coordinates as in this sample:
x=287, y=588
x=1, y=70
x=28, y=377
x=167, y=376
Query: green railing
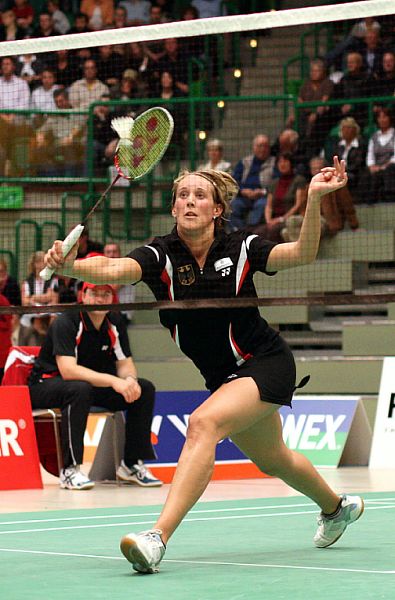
x=303, y=58
x=127, y=213
x=369, y=102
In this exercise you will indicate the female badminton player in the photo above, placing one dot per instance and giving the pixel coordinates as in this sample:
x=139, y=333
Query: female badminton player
x=248, y=368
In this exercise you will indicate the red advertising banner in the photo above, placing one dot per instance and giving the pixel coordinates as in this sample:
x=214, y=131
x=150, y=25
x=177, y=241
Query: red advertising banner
x=19, y=462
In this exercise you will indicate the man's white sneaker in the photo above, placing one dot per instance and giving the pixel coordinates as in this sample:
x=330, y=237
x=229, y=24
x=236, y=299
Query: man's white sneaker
x=138, y=474
x=73, y=479
x=144, y=550
x=331, y=528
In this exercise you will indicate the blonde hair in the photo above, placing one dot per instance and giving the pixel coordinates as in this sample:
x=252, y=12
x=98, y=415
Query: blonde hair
x=225, y=188
x=349, y=122
x=32, y=260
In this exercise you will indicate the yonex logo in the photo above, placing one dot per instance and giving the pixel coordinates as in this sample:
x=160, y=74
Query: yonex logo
x=8, y=438
x=225, y=272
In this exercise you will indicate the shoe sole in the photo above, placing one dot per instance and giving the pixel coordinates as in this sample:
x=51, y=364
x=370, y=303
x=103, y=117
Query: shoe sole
x=339, y=536
x=133, y=482
x=73, y=489
x=133, y=554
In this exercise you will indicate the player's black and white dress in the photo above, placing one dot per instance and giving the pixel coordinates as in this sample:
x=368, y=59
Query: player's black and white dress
x=224, y=343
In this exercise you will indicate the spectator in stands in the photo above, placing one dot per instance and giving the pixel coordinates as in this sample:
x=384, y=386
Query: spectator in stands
x=352, y=42
x=354, y=84
x=127, y=89
x=254, y=175
x=168, y=90
x=88, y=89
x=80, y=24
x=110, y=66
x=154, y=49
x=9, y=28
x=5, y=335
x=194, y=46
x=24, y=14
x=289, y=142
x=45, y=26
x=350, y=147
x=60, y=21
x=381, y=159
x=337, y=209
x=209, y=8
x=103, y=134
x=385, y=84
x=30, y=67
x=9, y=286
x=14, y=93
x=86, y=361
x=43, y=96
x=125, y=293
x=120, y=18
x=100, y=13
x=86, y=245
x=314, y=123
x=59, y=145
x=216, y=162
x=173, y=62
x=36, y=292
x=285, y=198
x=137, y=11
x=372, y=53
x=66, y=68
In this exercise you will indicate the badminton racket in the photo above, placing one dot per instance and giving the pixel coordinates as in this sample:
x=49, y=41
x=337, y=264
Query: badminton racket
x=143, y=142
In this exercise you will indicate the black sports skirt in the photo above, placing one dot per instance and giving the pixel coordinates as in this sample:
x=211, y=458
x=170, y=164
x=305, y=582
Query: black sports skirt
x=273, y=371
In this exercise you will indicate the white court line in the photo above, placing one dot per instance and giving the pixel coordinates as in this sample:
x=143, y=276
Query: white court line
x=194, y=512
x=187, y=520
x=155, y=514
x=208, y=562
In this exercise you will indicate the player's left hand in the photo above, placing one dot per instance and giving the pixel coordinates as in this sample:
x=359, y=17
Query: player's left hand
x=329, y=179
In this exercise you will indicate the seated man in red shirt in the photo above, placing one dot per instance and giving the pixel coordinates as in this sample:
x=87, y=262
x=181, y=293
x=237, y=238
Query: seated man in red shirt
x=85, y=361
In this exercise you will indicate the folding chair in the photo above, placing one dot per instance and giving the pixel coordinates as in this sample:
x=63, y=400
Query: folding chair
x=17, y=369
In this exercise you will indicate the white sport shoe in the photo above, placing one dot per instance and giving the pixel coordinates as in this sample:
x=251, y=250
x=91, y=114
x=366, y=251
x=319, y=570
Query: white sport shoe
x=138, y=474
x=330, y=529
x=144, y=550
x=73, y=479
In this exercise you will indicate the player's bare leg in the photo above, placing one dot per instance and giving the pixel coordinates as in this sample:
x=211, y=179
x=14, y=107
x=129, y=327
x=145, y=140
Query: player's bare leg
x=234, y=407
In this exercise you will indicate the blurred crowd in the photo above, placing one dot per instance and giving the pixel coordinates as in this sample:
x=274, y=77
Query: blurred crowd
x=74, y=79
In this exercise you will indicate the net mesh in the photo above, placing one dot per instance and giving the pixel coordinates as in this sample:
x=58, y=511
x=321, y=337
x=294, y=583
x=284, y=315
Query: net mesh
x=297, y=86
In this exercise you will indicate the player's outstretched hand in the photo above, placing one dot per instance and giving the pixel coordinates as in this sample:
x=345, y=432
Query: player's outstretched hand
x=329, y=179
x=54, y=258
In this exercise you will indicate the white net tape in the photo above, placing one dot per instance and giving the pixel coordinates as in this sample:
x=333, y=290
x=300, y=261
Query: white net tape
x=229, y=24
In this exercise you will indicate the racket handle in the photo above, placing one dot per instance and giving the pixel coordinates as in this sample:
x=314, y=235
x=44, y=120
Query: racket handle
x=67, y=245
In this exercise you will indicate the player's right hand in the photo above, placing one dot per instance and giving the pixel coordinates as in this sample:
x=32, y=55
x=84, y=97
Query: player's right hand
x=54, y=258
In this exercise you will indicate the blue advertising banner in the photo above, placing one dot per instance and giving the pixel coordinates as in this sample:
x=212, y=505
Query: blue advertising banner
x=316, y=426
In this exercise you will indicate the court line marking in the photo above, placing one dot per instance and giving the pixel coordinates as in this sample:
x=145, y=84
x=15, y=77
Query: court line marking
x=187, y=520
x=150, y=514
x=194, y=512
x=207, y=562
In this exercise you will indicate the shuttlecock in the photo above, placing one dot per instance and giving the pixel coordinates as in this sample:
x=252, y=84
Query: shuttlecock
x=123, y=126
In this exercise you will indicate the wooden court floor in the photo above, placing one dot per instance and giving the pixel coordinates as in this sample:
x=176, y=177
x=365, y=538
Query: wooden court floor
x=246, y=539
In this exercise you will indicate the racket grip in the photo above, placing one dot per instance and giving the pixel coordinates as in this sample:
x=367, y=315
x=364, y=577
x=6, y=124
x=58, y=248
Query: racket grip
x=67, y=245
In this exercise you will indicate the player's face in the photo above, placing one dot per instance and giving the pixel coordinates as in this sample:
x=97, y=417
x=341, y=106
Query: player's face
x=194, y=207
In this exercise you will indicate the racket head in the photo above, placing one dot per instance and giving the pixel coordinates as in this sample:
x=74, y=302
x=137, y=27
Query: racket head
x=148, y=141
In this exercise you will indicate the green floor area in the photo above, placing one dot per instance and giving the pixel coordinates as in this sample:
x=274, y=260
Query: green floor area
x=223, y=551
